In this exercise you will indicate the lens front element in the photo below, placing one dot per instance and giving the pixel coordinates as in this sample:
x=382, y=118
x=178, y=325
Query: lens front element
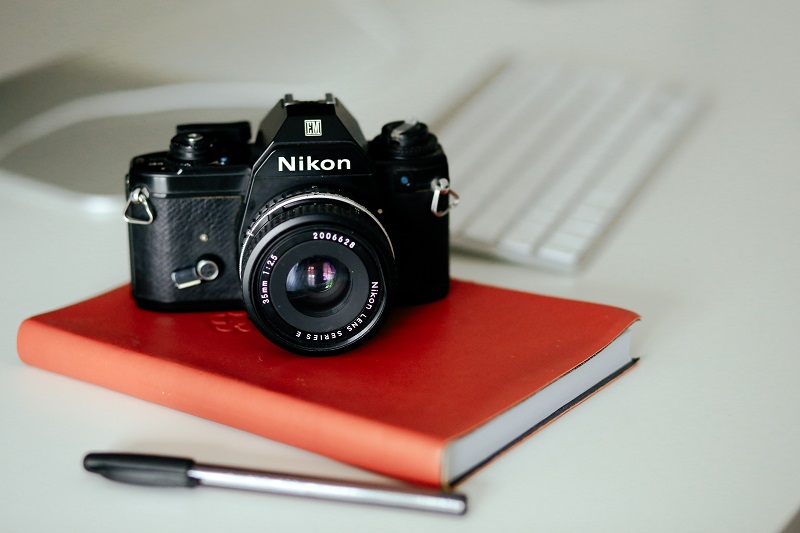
x=317, y=285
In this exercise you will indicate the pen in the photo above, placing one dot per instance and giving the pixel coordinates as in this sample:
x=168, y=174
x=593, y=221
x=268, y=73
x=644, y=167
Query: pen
x=162, y=471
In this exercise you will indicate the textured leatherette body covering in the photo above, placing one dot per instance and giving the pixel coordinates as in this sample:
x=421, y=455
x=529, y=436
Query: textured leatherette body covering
x=184, y=231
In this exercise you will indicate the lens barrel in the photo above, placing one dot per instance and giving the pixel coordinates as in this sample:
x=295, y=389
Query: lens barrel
x=317, y=273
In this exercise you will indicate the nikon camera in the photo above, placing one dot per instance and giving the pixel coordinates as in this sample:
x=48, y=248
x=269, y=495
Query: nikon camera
x=313, y=230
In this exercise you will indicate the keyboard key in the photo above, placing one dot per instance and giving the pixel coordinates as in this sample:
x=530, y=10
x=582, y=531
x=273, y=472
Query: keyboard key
x=561, y=255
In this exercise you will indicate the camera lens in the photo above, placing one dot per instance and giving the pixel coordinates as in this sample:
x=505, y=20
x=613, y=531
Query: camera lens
x=317, y=286
x=317, y=273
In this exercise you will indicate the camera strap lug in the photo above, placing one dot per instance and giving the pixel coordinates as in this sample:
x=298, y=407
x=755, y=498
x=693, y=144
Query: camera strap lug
x=138, y=196
x=441, y=187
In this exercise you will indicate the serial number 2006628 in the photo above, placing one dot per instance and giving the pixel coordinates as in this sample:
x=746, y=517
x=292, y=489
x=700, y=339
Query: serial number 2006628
x=331, y=236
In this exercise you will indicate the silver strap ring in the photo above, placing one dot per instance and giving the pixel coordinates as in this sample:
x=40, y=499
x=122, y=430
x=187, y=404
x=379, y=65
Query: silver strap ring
x=441, y=186
x=138, y=196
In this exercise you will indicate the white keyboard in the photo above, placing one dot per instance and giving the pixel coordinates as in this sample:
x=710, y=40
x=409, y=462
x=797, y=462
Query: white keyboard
x=544, y=157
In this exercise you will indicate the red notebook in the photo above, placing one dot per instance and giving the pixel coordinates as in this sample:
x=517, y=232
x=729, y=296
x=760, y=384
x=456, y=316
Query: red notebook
x=441, y=389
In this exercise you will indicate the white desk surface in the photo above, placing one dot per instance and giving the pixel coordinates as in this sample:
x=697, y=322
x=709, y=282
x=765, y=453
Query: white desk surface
x=702, y=436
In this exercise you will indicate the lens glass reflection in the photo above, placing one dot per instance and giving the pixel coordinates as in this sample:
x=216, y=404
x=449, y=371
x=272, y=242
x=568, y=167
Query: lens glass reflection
x=318, y=285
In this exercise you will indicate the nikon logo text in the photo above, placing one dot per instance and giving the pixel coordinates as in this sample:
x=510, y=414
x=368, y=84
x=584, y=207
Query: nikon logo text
x=293, y=164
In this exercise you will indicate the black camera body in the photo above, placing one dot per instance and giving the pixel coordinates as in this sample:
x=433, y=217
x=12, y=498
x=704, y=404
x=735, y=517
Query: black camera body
x=310, y=228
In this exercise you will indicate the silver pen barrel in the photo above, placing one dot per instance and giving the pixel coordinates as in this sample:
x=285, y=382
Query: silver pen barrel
x=326, y=489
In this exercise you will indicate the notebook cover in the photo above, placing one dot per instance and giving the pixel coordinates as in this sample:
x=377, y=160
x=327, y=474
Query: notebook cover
x=432, y=374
